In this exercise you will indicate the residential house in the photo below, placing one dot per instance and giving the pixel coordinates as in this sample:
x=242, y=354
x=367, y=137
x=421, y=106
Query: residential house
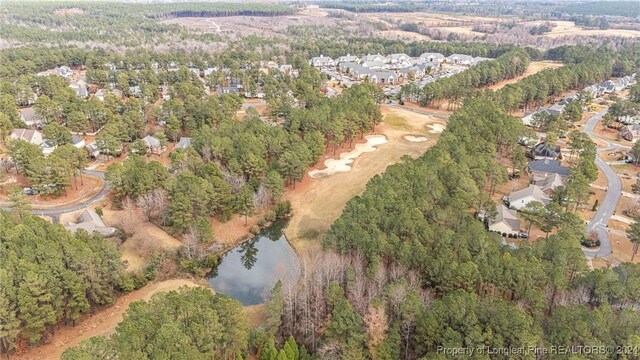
x=30, y=117
x=92, y=149
x=81, y=88
x=550, y=183
x=78, y=141
x=184, y=143
x=630, y=132
x=233, y=89
x=505, y=222
x=460, y=59
x=47, y=147
x=544, y=151
x=397, y=58
x=433, y=57
x=321, y=61
x=153, y=145
x=29, y=135
x=375, y=65
x=63, y=71
x=100, y=94
x=195, y=71
x=382, y=77
x=368, y=58
x=135, y=91
x=477, y=60
x=541, y=169
x=90, y=222
x=348, y=58
x=519, y=199
x=208, y=71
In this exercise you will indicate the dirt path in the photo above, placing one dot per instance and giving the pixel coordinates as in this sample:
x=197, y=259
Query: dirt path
x=318, y=202
x=103, y=323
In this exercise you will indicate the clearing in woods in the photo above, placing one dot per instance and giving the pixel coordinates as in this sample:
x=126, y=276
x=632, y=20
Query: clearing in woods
x=318, y=202
x=534, y=67
x=102, y=323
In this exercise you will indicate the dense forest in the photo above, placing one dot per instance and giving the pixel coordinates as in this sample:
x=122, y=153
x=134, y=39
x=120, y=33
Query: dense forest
x=540, y=294
x=50, y=276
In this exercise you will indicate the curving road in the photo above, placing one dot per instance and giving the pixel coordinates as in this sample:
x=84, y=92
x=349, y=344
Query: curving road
x=612, y=196
x=55, y=213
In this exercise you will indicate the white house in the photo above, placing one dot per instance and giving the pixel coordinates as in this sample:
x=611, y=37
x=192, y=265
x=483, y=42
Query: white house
x=321, y=61
x=29, y=135
x=77, y=141
x=460, y=59
x=432, y=57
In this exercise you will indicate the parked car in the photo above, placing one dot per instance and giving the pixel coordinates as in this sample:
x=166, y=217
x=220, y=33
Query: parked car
x=523, y=235
x=30, y=191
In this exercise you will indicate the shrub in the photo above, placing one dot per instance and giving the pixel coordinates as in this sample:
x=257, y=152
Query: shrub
x=283, y=209
x=255, y=229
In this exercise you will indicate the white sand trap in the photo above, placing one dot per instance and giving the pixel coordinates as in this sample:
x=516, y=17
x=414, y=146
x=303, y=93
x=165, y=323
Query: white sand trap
x=414, y=138
x=436, y=128
x=333, y=166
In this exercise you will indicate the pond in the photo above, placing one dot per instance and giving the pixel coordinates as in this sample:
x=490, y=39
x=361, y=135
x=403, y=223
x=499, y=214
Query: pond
x=249, y=271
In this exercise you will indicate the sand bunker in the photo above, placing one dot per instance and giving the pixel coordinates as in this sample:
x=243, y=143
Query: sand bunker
x=343, y=164
x=436, y=128
x=414, y=138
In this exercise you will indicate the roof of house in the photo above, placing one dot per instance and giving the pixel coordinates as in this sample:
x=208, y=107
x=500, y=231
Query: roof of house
x=184, y=143
x=76, y=139
x=151, y=141
x=530, y=191
x=551, y=182
x=543, y=150
x=24, y=134
x=30, y=116
x=372, y=58
x=91, y=222
x=432, y=55
x=548, y=166
x=506, y=216
x=347, y=58
x=397, y=56
x=373, y=63
x=461, y=57
x=382, y=74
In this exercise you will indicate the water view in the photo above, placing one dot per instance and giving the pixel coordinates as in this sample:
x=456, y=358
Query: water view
x=249, y=271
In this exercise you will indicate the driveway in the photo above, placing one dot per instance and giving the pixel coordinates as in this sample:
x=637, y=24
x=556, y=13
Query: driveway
x=612, y=196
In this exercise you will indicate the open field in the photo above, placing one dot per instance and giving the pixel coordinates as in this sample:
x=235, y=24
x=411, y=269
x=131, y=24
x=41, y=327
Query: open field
x=534, y=67
x=102, y=323
x=318, y=202
x=568, y=28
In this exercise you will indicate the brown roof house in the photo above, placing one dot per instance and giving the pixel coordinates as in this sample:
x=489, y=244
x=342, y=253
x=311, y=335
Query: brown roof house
x=630, y=132
x=91, y=222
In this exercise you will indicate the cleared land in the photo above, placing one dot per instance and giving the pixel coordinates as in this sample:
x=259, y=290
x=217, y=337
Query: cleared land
x=102, y=323
x=318, y=202
x=568, y=28
x=534, y=67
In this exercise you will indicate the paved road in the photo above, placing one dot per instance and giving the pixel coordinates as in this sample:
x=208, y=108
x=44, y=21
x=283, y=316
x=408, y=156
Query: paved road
x=612, y=196
x=55, y=213
x=418, y=111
